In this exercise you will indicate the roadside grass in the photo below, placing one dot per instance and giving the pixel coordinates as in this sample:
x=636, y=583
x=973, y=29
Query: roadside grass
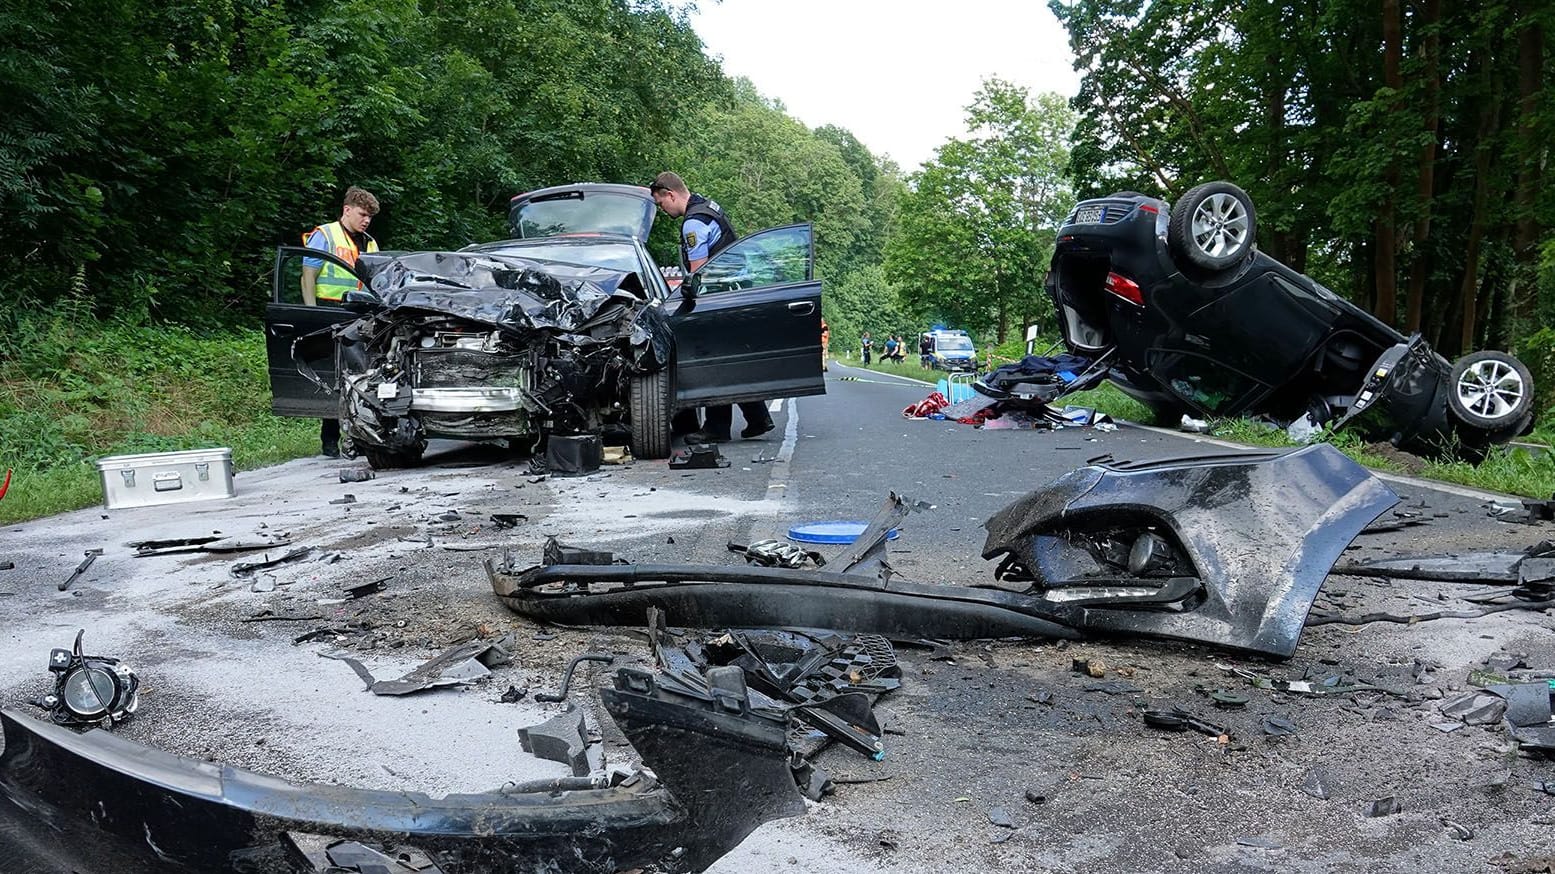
x=74, y=389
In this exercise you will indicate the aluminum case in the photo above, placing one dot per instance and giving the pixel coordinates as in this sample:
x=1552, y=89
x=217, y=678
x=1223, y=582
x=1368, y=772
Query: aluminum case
x=155, y=478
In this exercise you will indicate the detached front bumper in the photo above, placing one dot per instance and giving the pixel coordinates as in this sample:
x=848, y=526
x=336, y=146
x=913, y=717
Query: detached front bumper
x=95, y=803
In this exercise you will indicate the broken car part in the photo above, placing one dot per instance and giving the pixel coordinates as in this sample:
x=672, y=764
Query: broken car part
x=244, y=568
x=213, y=543
x=89, y=690
x=776, y=553
x=455, y=666
x=573, y=454
x=1187, y=549
x=561, y=694
x=95, y=803
x=484, y=344
x=1226, y=549
x=563, y=738
x=91, y=556
x=698, y=456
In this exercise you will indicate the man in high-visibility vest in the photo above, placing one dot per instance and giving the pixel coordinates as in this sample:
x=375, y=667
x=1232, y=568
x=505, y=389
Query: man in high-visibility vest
x=346, y=239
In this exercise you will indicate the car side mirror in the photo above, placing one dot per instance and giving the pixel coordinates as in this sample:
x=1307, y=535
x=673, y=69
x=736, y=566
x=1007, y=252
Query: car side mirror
x=691, y=286
x=361, y=301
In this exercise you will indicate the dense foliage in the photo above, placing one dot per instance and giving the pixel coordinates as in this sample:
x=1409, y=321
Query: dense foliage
x=1397, y=149
x=976, y=228
x=151, y=154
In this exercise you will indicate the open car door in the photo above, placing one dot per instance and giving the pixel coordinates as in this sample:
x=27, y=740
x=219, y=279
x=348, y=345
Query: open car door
x=286, y=319
x=748, y=323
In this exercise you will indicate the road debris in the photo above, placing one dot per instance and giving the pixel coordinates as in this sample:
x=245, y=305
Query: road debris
x=561, y=694
x=212, y=543
x=359, y=474
x=680, y=812
x=244, y=568
x=777, y=553
x=698, y=456
x=89, y=690
x=455, y=666
x=573, y=454
x=564, y=738
x=91, y=556
x=1383, y=807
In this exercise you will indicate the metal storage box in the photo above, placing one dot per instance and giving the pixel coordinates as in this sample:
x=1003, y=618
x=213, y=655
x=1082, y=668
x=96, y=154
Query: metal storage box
x=156, y=478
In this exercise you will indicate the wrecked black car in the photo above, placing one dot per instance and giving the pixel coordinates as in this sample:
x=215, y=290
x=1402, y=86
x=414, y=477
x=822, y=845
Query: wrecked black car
x=568, y=328
x=1190, y=317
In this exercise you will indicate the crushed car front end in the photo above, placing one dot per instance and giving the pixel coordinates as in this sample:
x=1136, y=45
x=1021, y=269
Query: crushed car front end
x=479, y=345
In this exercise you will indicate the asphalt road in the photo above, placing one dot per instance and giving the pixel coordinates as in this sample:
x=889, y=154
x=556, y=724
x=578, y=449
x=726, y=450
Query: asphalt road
x=975, y=729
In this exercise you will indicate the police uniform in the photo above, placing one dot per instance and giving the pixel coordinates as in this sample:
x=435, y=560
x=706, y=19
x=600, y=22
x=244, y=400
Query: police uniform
x=704, y=232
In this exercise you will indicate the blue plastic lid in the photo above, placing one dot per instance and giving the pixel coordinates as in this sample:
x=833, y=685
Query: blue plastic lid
x=840, y=531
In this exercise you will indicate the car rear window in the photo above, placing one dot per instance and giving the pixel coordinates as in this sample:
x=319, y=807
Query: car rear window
x=596, y=212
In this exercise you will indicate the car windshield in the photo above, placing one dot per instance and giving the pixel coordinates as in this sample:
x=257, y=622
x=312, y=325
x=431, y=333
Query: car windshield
x=953, y=344
x=612, y=255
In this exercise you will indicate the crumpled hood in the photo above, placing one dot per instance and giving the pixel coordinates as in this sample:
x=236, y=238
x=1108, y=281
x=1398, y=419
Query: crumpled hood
x=498, y=290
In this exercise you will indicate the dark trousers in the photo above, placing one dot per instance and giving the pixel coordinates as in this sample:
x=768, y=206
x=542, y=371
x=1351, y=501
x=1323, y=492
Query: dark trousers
x=329, y=432
x=720, y=417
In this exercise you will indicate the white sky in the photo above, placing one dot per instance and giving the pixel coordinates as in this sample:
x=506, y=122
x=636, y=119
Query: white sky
x=897, y=74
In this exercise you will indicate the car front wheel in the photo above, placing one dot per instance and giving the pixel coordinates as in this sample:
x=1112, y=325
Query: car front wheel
x=1491, y=391
x=1212, y=226
x=652, y=396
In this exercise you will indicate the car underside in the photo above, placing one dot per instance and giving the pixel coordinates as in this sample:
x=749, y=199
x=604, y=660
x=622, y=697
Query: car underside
x=1191, y=318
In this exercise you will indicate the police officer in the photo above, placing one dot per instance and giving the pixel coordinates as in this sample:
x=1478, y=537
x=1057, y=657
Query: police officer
x=704, y=232
x=346, y=239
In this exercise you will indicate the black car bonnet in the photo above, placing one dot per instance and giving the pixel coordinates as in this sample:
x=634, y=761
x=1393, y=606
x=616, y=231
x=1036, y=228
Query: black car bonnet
x=503, y=291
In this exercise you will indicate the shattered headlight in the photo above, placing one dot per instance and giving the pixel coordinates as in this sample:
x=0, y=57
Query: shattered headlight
x=89, y=689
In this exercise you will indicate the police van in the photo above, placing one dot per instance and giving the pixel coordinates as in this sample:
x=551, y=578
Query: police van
x=951, y=350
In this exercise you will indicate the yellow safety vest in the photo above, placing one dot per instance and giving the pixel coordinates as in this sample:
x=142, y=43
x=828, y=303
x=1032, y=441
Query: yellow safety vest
x=333, y=282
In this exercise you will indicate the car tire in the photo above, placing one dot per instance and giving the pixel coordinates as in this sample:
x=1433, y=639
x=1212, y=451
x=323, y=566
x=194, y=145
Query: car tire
x=1212, y=226
x=651, y=407
x=379, y=458
x=1491, y=392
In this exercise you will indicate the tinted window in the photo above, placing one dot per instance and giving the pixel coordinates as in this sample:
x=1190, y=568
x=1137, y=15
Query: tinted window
x=584, y=212
x=774, y=257
x=1203, y=383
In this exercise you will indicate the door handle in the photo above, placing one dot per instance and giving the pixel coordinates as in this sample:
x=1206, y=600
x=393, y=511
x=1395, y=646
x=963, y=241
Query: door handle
x=802, y=307
x=276, y=329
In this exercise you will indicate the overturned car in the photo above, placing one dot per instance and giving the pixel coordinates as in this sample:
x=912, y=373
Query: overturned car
x=568, y=328
x=1186, y=315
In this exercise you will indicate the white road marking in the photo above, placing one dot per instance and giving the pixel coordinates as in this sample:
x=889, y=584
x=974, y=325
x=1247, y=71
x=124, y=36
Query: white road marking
x=776, y=406
x=917, y=382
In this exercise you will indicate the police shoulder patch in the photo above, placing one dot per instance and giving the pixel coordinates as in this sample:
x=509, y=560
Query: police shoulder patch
x=691, y=239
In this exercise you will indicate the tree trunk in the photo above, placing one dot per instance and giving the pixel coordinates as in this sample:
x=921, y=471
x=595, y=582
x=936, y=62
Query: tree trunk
x=1419, y=266
x=1385, y=254
x=1484, y=151
x=1530, y=152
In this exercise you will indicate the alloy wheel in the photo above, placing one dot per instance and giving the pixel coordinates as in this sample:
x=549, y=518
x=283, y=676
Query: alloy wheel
x=1490, y=388
x=1220, y=225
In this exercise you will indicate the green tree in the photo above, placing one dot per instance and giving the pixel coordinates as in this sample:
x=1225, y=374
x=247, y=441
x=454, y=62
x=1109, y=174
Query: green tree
x=975, y=230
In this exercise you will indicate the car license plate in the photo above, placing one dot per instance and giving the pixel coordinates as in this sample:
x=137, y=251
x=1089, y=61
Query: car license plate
x=1088, y=215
